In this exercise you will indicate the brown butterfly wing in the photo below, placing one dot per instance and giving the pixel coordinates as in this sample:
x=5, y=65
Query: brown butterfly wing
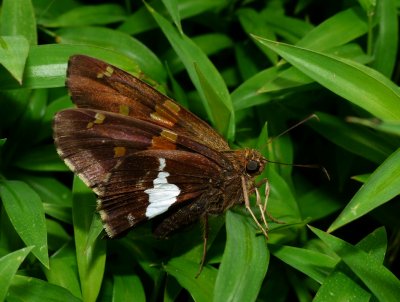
x=95, y=84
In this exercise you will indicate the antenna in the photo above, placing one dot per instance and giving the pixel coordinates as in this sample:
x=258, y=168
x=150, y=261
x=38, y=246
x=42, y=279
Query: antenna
x=294, y=126
x=299, y=165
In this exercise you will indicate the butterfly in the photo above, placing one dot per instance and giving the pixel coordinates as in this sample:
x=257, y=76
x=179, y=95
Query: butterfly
x=145, y=156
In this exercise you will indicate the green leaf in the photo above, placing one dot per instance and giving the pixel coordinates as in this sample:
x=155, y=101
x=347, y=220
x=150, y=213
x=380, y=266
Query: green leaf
x=291, y=28
x=141, y=20
x=185, y=271
x=340, y=287
x=118, y=42
x=248, y=93
x=339, y=29
x=13, y=53
x=312, y=263
x=32, y=289
x=192, y=56
x=64, y=269
x=381, y=186
x=244, y=263
x=376, y=277
x=128, y=288
x=57, y=234
x=358, y=84
x=172, y=8
x=56, y=197
x=88, y=15
x=9, y=265
x=356, y=140
x=43, y=158
x=281, y=202
x=18, y=19
x=375, y=244
x=47, y=64
x=255, y=23
x=25, y=211
x=90, y=252
x=369, y=6
x=385, y=53
x=210, y=44
x=218, y=107
x=327, y=204
x=387, y=127
x=28, y=124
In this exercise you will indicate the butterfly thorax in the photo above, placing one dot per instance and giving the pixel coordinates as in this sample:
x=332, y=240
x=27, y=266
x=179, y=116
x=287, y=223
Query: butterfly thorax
x=247, y=164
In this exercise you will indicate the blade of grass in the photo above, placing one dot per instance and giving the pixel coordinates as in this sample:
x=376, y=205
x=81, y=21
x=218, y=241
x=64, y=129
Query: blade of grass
x=379, y=280
x=358, y=84
x=200, y=288
x=8, y=267
x=13, y=53
x=25, y=211
x=46, y=65
x=244, y=263
x=18, y=18
x=25, y=288
x=90, y=249
x=191, y=56
x=381, y=186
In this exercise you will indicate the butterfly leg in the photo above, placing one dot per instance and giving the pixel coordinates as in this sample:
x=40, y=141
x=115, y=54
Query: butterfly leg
x=247, y=205
x=267, y=189
x=262, y=208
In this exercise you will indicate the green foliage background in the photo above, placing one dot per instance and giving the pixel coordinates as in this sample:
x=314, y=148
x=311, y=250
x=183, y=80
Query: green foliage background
x=222, y=60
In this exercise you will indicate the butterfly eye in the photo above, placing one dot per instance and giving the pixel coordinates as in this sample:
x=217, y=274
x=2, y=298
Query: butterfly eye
x=252, y=166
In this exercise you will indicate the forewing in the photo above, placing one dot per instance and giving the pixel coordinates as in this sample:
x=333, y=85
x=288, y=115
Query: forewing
x=90, y=141
x=95, y=84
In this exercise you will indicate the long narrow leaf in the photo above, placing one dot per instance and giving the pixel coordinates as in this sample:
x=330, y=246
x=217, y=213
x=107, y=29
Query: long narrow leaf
x=380, y=281
x=90, y=253
x=191, y=56
x=358, y=84
x=381, y=186
x=25, y=211
x=8, y=267
x=244, y=263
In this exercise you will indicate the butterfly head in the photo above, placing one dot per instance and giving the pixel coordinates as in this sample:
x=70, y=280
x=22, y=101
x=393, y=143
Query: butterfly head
x=254, y=162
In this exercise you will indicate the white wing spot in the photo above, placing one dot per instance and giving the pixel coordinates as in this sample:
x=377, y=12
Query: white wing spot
x=162, y=164
x=131, y=219
x=69, y=164
x=163, y=194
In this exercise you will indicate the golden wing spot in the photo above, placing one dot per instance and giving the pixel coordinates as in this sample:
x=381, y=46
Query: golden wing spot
x=108, y=72
x=169, y=135
x=119, y=151
x=124, y=109
x=172, y=106
x=163, y=117
x=99, y=119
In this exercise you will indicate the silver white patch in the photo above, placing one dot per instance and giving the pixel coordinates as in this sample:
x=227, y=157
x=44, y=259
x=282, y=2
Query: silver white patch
x=163, y=194
x=162, y=164
x=131, y=219
x=69, y=164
